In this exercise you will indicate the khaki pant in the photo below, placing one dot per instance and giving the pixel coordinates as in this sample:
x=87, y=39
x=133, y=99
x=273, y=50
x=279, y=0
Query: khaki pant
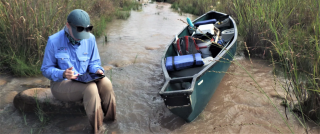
x=98, y=98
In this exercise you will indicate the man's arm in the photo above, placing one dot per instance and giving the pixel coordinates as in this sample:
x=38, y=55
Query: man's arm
x=49, y=65
x=94, y=62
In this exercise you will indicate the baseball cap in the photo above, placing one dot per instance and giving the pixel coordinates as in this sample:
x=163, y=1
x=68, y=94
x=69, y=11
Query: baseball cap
x=79, y=17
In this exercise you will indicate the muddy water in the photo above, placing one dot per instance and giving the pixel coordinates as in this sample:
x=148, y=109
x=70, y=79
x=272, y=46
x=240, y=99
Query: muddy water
x=132, y=58
x=238, y=106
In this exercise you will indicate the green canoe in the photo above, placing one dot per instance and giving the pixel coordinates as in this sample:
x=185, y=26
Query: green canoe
x=203, y=81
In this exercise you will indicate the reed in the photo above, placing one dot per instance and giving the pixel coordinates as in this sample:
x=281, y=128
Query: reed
x=24, y=118
x=284, y=32
x=288, y=32
x=26, y=24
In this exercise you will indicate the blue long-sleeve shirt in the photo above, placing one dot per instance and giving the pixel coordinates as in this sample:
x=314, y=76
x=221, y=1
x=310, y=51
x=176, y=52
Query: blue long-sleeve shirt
x=60, y=55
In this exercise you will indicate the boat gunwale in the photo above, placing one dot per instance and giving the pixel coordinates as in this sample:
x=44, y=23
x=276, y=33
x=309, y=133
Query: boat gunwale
x=204, y=70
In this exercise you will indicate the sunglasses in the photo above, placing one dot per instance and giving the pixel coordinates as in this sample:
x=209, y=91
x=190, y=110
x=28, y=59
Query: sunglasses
x=81, y=28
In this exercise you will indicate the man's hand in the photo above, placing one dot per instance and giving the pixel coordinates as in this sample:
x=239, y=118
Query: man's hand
x=100, y=72
x=69, y=74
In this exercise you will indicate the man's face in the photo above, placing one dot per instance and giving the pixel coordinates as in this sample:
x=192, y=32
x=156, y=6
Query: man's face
x=70, y=31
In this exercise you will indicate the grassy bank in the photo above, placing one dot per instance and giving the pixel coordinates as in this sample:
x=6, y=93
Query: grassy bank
x=26, y=24
x=286, y=33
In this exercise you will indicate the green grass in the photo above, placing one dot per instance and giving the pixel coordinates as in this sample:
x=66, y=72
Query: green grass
x=111, y=74
x=286, y=33
x=24, y=118
x=39, y=112
x=122, y=14
x=135, y=59
x=26, y=24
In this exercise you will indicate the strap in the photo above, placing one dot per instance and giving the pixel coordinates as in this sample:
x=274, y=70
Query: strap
x=197, y=47
x=173, y=65
x=178, y=46
x=187, y=44
x=194, y=59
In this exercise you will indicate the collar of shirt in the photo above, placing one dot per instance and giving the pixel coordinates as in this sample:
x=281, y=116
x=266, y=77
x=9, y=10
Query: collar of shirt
x=70, y=39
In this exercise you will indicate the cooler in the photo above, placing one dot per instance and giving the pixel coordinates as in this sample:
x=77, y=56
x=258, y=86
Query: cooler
x=203, y=29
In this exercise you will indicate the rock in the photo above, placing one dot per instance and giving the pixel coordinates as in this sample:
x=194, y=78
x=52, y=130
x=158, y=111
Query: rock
x=108, y=67
x=122, y=63
x=9, y=97
x=2, y=82
x=280, y=95
x=36, y=85
x=31, y=100
x=151, y=48
x=39, y=81
x=276, y=95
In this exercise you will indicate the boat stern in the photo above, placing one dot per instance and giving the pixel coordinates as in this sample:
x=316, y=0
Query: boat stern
x=176, y=94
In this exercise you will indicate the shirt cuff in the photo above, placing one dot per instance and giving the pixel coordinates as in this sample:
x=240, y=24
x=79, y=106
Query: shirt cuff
x=60, y=74
x=97, y=68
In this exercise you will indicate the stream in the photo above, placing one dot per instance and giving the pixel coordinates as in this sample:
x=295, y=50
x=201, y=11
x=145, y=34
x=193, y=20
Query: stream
x=132, y=57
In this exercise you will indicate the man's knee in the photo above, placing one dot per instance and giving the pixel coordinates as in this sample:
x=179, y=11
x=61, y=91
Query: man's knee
x=105, y=85
x=91, y=89
x=106, y=80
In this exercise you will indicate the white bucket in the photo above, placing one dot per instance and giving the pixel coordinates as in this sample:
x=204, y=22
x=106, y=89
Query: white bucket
x=227, y=34
x=204, y=48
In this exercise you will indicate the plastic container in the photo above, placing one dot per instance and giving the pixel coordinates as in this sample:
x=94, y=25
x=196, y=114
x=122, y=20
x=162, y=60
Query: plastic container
x=203, y=29
x=204, y=48
x=183, y=62
x=189, y=22
x=207, y=60
x=224, y=23
x=212, y=21
x=227, y=34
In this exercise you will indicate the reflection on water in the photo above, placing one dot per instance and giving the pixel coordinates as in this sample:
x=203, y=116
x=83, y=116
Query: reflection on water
x=133, y=54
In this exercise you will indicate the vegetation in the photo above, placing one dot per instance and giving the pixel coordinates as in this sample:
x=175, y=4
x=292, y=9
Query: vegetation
x=284, y=32
x=26, y=24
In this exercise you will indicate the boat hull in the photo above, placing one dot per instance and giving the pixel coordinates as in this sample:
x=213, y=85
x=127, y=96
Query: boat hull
x=189, y=103
x=204, y=89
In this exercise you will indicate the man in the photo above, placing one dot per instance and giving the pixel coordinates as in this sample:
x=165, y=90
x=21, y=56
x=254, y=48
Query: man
x=73, y=51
